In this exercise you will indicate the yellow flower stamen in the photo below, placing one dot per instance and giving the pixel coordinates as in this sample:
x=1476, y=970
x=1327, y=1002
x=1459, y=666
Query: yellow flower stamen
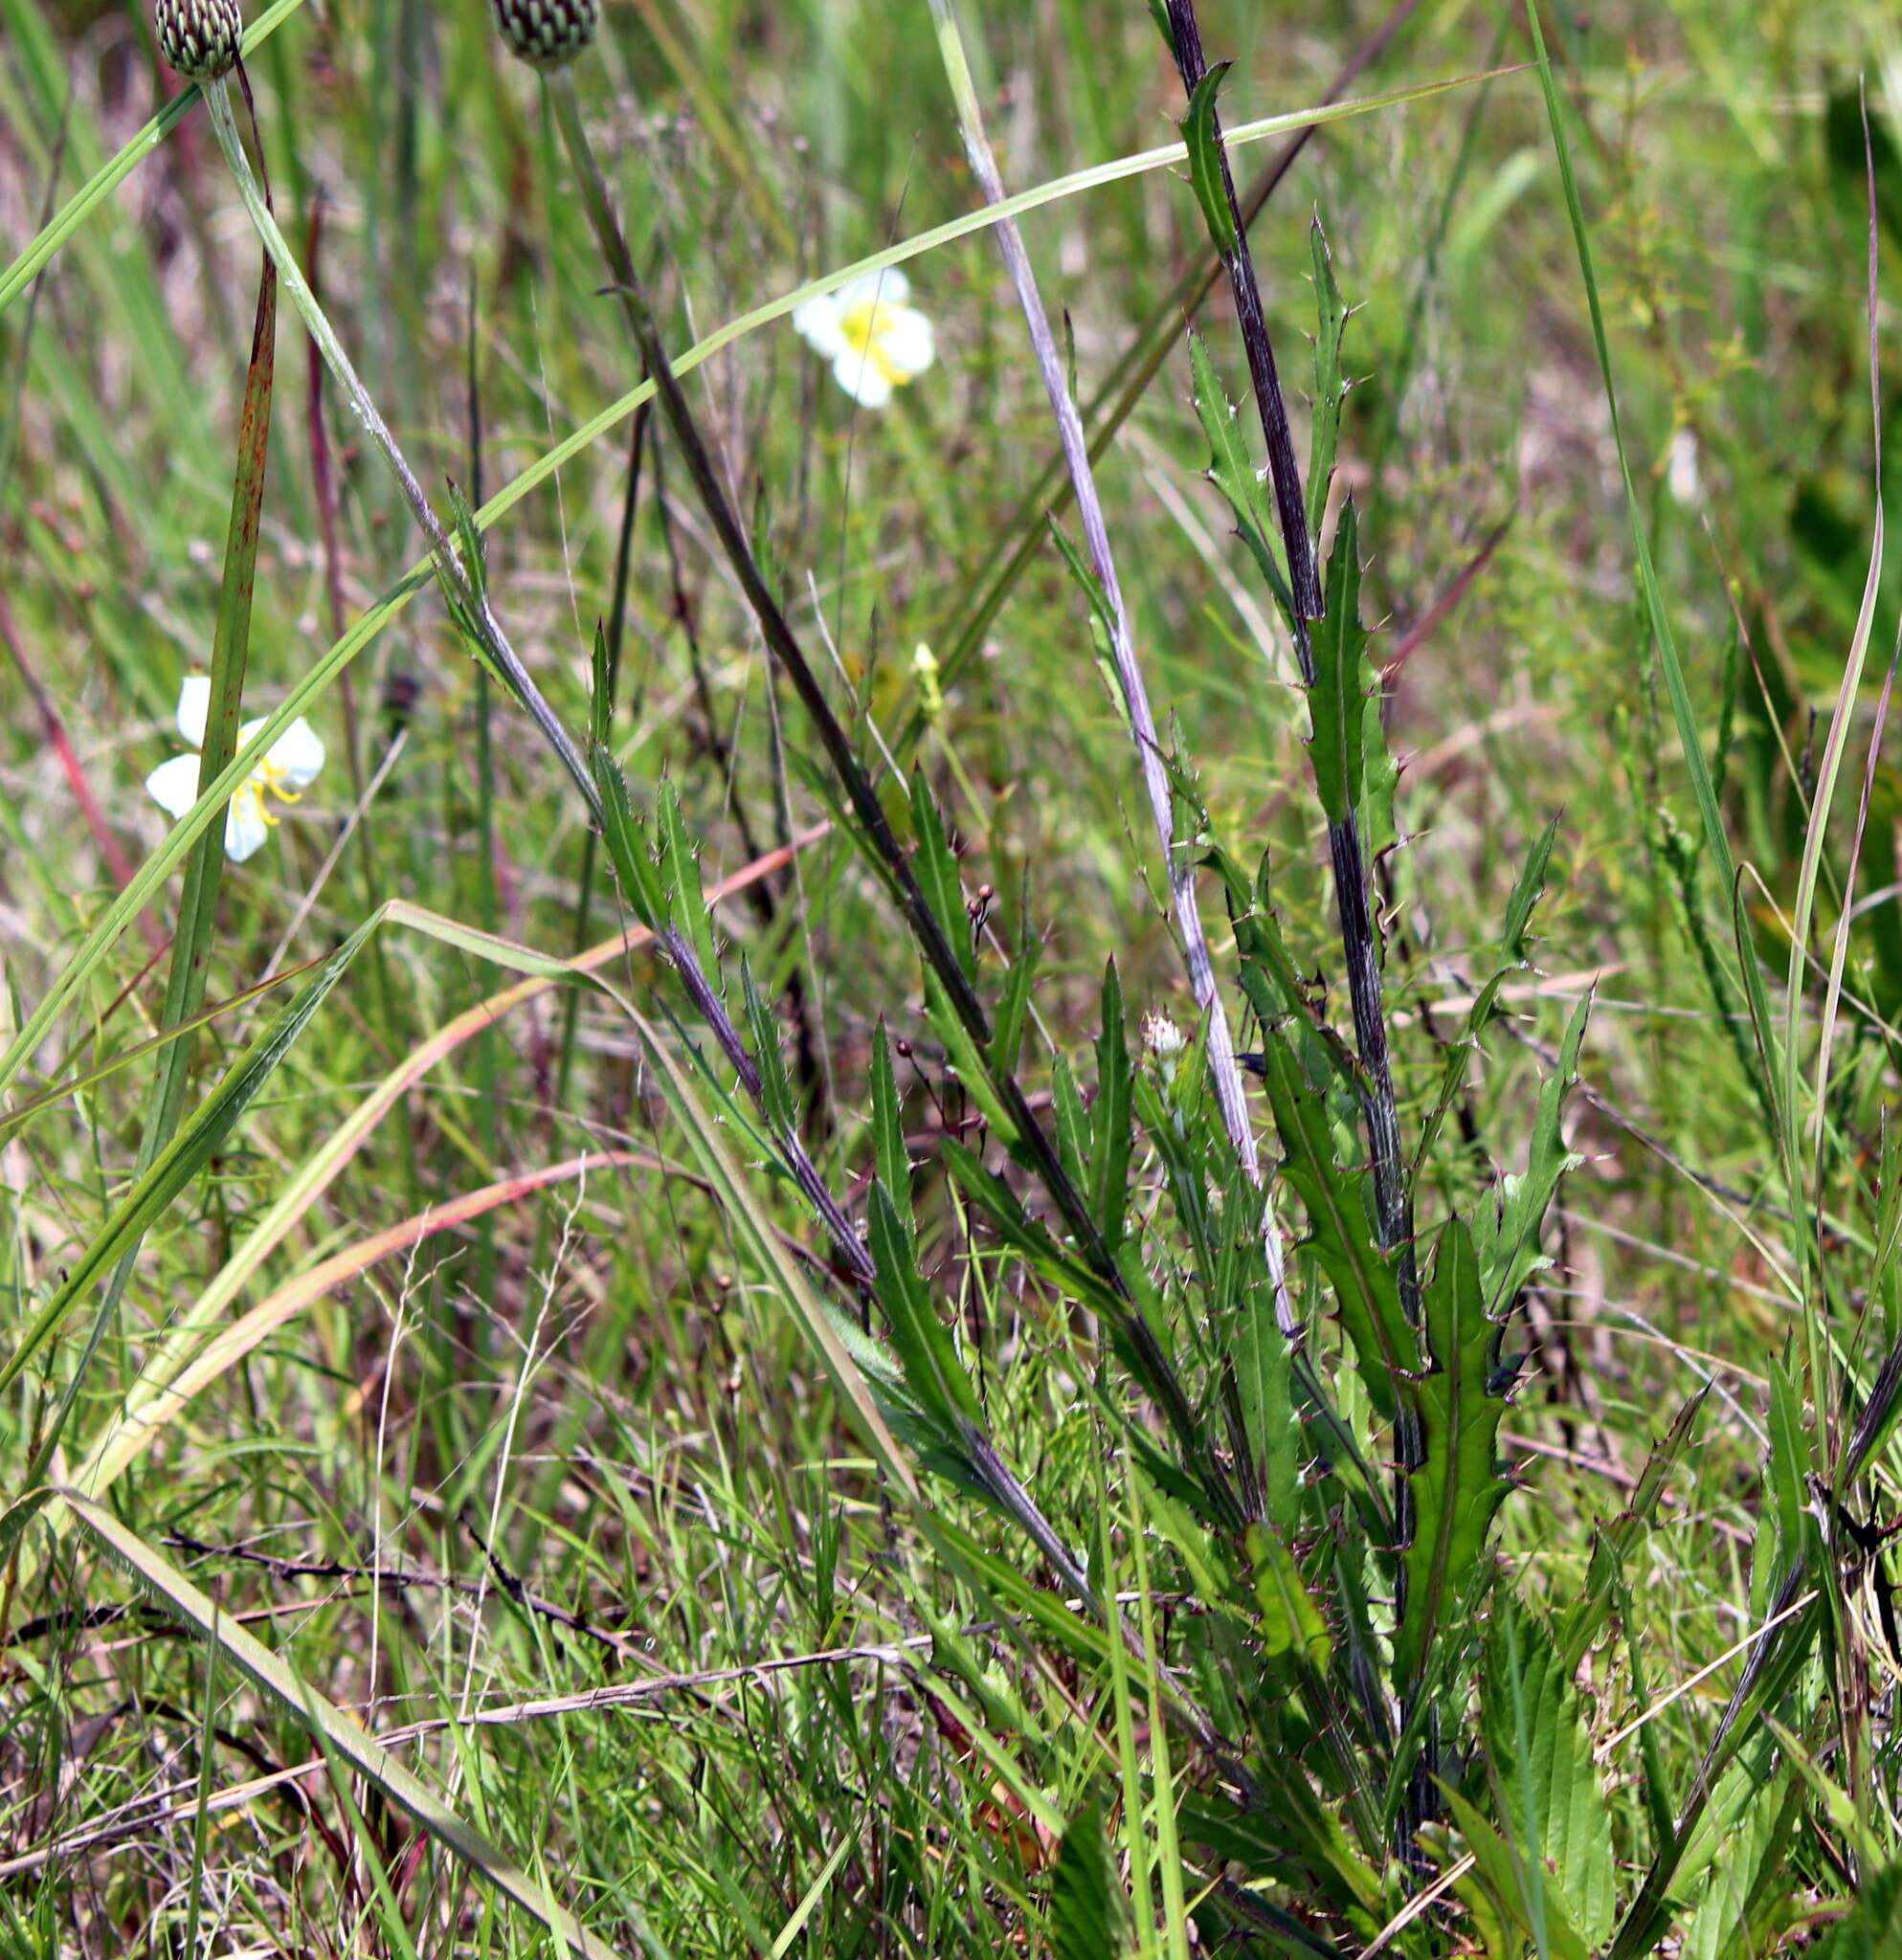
x=863, y=328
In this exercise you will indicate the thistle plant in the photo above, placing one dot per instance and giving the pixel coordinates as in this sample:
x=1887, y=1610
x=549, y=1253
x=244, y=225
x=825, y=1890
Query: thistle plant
x=202, y=40
x=547, y=33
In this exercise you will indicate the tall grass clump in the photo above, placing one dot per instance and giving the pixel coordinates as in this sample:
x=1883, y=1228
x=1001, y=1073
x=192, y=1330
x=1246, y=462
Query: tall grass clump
x=1059, y=1341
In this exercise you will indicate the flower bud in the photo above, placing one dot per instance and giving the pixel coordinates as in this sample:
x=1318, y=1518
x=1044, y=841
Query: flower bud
x=200, y=38
x=547, y=33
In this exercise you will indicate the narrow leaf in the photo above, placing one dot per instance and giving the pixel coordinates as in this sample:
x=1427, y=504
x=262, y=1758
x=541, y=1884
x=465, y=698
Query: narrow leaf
x=1330, y=330
x=1458, y=1486
x=1338, y=700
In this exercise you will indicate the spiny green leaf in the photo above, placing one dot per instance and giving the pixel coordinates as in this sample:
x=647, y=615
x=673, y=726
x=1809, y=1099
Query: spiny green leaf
x=1502, y=1879
x=1507, y=1240
x=890, y=1154
x=922, y=1343
x=626, y=842
x=1725, y=1920
x=1204, y=145
x=1014, y=1006
x=776, y=1091
x=1338, y=700
x=1366, y=1292
x=1292, y=1624
x=1232, y=471
x=937, y=874
x=1527, y=888
x=1459, y=1487
x=1025, y=1236
x=967, y=1061
x=1551, y=1801
x=686, y=904
x=1112, y=1131
x=1329, y=392
x=1088, y=1908
x=1072, y=1123
x=1264, y=1370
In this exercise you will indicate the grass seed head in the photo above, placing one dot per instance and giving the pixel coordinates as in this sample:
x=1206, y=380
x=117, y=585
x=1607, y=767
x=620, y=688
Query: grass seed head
x=547, y=33
x=200, y=38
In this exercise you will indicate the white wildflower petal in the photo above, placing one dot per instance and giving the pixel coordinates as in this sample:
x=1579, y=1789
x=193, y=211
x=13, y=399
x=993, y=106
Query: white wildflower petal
x=174, y=785
x=816, y=324
x=245, y=828
x=195, y=707
x=889, y=288
x=905, y=339
x=297, y=755
x=858, y=374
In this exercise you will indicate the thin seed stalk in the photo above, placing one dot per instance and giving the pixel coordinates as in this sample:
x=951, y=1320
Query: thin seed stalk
x=464, y=586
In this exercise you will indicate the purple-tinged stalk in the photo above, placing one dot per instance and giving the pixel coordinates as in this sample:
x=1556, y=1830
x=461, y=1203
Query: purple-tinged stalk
x=1392, y=1202
x=1222, y=1068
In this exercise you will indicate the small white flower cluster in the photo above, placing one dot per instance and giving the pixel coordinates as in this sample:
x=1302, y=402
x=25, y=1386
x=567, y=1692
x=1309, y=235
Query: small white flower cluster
x=874, y=342
x=290, y=765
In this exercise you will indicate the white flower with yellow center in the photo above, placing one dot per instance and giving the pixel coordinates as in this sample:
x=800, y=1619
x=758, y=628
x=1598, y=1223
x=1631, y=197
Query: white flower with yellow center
x=291, y=762
x=874, y=342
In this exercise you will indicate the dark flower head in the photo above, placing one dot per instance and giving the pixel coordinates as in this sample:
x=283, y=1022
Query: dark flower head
x=547, y=33
x=199, y=37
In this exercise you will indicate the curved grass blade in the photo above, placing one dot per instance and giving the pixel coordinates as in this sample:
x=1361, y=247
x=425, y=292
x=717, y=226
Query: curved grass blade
x=339, y=1736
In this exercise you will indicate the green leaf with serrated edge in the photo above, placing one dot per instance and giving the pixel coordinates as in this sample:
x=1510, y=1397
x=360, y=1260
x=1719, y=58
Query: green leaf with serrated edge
x=1288, y=1834
x=1379, y=768
x=1292, y=1625
x=1203, y=141
x=921, y=1341
x=1366, y=1293
x=1458, y=1486
x=1232, y=471
x=1013, y=1010
x=936, y=870
x=891, y=1156
x=1024, y=1236
x=625, y=840
x=1088, y=1908
x=1112, y=1129
x=1338, y=700
x=686, y=904
x=600, y=688
x=1072, y=1121
x=1177, y=1515
x=967, y=1064
x=1721, y=1924
x=1501, y=1877
x=1552, y=1800
x=1527, y=890
x=1514, y=956
x=1180, y=1139
x=775, y=1090
x=1330, y=330
x=1263, y=1374
x=1509, y=1253
x=1789, y=1464
x=1586, y=1618
x=1086, y=580
x=1016, y=1602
